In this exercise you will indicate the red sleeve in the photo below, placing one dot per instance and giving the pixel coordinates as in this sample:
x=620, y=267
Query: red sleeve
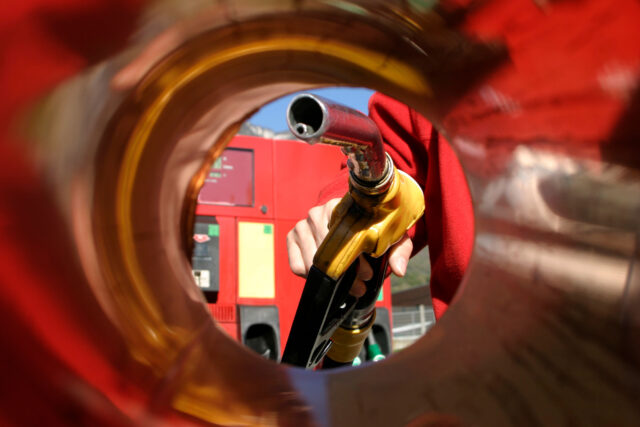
x=447, y=226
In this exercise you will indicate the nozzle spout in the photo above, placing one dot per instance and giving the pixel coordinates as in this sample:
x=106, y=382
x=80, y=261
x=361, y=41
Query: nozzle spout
x=314, y=119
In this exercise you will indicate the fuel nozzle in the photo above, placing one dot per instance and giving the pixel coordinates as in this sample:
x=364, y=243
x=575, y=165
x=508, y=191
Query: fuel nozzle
x=314, y=119
x=330, y=325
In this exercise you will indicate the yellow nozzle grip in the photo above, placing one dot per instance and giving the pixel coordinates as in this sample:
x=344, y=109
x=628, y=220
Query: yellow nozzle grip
x=363, y=223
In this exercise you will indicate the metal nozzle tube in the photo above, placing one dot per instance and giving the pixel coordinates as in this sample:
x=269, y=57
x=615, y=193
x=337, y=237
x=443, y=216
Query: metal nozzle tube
x=315, y=119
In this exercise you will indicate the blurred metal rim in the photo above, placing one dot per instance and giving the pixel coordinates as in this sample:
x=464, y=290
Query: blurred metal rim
x=544, y=327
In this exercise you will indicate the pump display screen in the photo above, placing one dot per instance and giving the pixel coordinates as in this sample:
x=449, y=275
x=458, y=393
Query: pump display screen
x=230, y=181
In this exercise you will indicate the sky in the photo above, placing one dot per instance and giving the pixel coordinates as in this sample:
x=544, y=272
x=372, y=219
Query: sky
x=273, y=115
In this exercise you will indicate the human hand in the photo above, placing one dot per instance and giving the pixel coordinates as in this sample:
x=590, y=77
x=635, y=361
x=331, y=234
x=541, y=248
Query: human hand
x=305, y=238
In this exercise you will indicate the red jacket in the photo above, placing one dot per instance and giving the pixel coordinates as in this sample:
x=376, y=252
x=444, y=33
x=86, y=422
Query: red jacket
x=447, y=226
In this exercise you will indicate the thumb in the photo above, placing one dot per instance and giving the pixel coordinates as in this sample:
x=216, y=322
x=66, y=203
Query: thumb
x=399, y=256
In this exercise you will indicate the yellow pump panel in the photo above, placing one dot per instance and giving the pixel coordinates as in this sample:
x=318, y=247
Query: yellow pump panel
x=256, y=271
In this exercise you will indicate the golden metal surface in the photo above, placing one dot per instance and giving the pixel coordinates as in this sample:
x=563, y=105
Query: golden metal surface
x=110, y=327
x=347, y=343
x=362, y=223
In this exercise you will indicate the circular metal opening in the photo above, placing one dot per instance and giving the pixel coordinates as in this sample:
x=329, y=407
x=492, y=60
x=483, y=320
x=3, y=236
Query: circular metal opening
x=545, y=273
x=306, y=116
x=186, y=108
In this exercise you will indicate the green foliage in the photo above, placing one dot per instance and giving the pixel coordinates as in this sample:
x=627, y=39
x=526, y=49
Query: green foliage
x=418, y=273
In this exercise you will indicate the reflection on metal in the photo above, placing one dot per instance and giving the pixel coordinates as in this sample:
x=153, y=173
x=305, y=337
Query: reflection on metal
x=539, y=101
x=315, y=119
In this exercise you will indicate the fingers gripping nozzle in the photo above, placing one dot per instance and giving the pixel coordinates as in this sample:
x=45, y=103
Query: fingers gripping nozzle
x=371, y=224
